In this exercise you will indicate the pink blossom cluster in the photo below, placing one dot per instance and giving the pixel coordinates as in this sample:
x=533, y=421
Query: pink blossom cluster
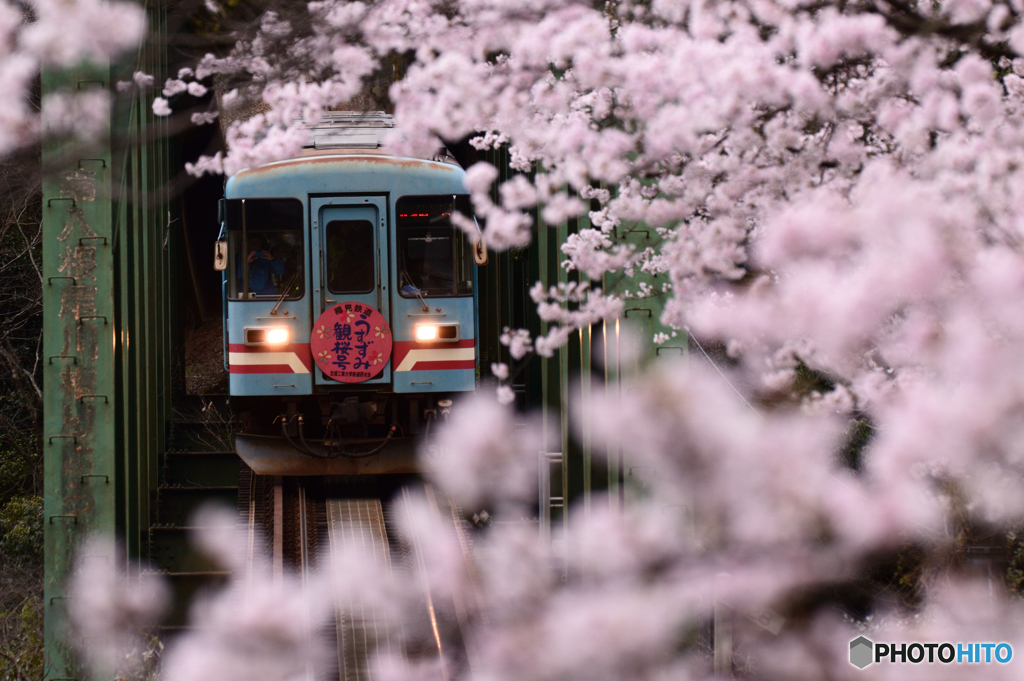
x=839, y=193
x=55, y=35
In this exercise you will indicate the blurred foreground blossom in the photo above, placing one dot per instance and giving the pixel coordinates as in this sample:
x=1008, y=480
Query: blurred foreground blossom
x=258, y=625
x=55, y=34
x=262, y=633
x=84, y=114
x=67, y=32
x=109, y=610
x=485, y=456
x=626, y=592
x=220, y=539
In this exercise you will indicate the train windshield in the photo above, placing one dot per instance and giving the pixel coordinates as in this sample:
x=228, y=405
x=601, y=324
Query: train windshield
x=265, y=247
x=434, y=257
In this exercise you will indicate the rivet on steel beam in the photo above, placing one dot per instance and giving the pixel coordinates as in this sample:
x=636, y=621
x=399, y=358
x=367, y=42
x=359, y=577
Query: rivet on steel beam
x=74, y=360
x=106, y=478
x=90, y=238
x=82, y=398
x=64, y=515
x=101, y=160
x=638, y=309
x=49, y=280
x=65, y=437
x=61, y=198
x=91, y=316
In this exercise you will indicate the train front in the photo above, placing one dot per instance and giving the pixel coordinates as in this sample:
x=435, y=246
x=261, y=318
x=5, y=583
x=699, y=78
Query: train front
x=350, y=310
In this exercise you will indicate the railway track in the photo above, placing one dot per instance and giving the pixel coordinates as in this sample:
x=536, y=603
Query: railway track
x=312, y=521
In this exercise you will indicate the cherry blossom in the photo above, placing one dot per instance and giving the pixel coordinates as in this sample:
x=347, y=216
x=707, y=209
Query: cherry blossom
x=53, y=34
x=836, y=191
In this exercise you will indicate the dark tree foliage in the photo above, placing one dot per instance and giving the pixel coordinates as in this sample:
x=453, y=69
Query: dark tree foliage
x=21, y=397
x=21, y=411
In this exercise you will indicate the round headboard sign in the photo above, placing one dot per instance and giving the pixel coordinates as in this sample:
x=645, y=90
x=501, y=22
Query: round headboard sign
x=351, y=342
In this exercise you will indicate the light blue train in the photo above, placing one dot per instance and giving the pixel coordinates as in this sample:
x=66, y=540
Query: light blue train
x=350, y=302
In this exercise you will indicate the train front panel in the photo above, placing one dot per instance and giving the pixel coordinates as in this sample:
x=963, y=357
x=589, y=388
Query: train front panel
x=351, y=307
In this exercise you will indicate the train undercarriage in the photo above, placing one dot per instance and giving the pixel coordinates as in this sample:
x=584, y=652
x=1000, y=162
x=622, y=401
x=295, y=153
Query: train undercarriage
x=338, y=433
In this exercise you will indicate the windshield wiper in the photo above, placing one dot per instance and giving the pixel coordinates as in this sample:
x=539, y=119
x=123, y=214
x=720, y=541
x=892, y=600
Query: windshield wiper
x=415, y=291
x=287, y=288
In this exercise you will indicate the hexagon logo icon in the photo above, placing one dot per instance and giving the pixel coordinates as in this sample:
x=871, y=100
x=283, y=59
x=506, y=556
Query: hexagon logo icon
x=861, y=652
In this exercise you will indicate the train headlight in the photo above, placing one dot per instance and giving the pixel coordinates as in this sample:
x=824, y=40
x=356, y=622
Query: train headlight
x=426, y=332
x=262, y=335
x=277, y=336
x=447, y=332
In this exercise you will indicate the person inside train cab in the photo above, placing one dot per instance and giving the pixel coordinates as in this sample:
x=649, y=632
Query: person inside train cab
x=262, y=263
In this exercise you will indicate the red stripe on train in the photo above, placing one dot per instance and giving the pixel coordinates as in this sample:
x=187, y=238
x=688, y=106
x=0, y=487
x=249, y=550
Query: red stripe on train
x=440, y=366
x=301, y=351
x=402, y=348
x=261, y=369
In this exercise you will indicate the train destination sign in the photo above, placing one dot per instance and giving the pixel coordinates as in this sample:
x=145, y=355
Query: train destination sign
x=351, y=342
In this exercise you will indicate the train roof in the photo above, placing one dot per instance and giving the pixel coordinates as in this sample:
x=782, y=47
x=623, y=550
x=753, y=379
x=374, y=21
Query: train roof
x=344, y=154
x=347, y=173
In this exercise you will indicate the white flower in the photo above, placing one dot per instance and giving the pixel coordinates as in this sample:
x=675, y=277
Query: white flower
x=506, y=395
x=161, y=107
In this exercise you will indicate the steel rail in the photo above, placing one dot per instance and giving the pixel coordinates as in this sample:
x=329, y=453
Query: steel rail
x=416, y=542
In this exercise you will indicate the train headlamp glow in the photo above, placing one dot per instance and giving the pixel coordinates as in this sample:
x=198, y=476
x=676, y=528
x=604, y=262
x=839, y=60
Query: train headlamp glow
x=426, y=332
x=262, y=335
x=445, y=332
x=277, y=336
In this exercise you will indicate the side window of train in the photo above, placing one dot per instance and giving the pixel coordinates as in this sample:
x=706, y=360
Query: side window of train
x=434, y=258
x=266, y=250
x=350, y=256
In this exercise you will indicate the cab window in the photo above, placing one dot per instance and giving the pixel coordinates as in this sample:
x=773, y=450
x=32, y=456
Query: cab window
x=265, y=249
x=434, y=258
